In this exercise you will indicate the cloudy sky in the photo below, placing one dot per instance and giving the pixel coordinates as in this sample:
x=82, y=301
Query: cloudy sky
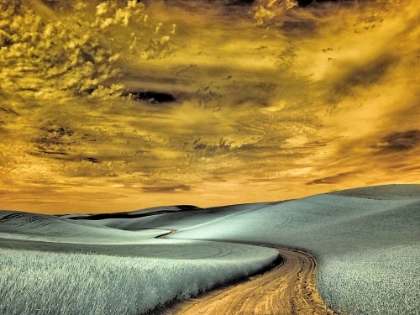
x=229, y=104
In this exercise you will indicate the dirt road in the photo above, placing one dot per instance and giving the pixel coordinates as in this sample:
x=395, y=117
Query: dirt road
x=287, y=289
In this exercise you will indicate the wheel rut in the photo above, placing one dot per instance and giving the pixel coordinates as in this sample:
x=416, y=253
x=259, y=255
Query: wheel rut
x=289, y=288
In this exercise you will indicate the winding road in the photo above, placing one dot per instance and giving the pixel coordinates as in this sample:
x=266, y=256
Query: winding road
x=289, y=288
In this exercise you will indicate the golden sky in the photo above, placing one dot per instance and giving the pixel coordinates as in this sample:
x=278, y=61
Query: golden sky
x=272, y=101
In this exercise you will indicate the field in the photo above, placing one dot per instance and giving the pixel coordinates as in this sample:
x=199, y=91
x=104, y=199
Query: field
x=34, y=282
x=367, y=244
x=365, y=241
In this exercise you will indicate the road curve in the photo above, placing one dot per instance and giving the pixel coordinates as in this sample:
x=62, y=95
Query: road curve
x=289, y=288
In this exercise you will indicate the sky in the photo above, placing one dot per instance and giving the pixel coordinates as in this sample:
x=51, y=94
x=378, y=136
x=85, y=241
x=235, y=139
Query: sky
x=229, y=103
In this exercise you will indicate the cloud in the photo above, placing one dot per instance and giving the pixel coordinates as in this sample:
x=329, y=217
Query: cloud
x=355, y=74
x=167, y=189
x=331, y=179
x=252, y=113
x=399, y=141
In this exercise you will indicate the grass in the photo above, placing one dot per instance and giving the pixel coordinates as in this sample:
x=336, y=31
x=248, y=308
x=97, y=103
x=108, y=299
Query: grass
x=374, y=282
x=35, y=282
x=368, y=247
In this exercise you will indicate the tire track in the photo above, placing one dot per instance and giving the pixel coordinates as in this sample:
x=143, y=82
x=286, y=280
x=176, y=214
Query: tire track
x=289, y=288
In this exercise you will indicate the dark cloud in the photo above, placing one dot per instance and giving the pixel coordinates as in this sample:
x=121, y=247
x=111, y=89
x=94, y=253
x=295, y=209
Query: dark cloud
x=330, y=179
x=399, y=141
x=8, y=111
x=152, y=97
x=359, y=76
x=53, y=140
x=315, y=144
x=222, y=145
x=167, y=189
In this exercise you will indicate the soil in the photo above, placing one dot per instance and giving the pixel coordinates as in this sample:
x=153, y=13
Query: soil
x=289, y=288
